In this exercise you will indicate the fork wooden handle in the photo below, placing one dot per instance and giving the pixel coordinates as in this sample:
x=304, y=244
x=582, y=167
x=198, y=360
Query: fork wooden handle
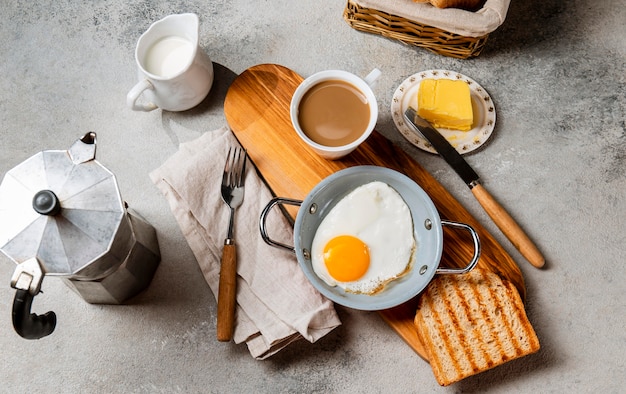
x=227, y=292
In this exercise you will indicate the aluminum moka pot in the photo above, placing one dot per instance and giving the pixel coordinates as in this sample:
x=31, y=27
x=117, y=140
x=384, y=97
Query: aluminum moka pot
x=61, y=214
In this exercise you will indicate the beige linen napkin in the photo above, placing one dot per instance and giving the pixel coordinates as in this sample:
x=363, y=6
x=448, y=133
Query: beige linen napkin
x=276, y=304
x=454, y=20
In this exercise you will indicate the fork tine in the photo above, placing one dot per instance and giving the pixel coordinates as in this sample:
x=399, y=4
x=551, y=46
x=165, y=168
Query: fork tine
x=227, y=169
x=234, y=173
x=234, y=167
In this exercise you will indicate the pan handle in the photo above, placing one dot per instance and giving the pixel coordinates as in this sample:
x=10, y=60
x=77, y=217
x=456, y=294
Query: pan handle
x=476, y=256
x=263, y=225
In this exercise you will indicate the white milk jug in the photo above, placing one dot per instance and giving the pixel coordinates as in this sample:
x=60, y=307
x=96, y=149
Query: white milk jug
x=175, y=74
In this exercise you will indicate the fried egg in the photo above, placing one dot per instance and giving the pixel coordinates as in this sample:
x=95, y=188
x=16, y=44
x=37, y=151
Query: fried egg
x=365, y=241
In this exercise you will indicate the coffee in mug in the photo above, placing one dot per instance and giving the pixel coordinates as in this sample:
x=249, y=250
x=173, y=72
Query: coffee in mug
x=334, y=113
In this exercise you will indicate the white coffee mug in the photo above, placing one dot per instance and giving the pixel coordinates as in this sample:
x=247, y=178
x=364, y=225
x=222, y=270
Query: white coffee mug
x=175, y=74
x=363, y=85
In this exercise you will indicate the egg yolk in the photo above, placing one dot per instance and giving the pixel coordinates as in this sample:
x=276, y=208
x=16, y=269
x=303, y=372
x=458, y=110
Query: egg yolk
x=347, y=258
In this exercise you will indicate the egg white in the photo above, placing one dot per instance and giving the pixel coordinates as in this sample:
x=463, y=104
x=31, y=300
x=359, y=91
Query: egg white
x=377, y=215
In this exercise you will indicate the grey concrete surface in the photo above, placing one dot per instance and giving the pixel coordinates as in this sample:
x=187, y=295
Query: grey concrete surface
x=556, y=71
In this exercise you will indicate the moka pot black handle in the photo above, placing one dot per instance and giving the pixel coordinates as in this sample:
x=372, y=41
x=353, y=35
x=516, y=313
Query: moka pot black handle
x=30, y=325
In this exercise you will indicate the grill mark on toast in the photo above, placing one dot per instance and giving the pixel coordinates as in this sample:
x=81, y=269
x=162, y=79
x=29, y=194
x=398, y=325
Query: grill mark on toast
x=533, y=341
x=422, y=316
x=464, y=315
x=441, y=327
x=505, y=322
x=497, y=347
x=486, y=338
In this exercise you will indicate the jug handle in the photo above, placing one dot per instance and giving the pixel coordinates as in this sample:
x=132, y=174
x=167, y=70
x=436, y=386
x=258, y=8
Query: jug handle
x=135, y=92
x=29, y=325
x=263, y=225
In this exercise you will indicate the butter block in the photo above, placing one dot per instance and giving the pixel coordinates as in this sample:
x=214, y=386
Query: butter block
x=445, y=103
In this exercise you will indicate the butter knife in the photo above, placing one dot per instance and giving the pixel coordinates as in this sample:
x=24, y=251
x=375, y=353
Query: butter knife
x=498, y=214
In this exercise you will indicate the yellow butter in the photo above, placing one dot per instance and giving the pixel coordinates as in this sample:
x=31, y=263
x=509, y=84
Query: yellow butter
x=445, y=103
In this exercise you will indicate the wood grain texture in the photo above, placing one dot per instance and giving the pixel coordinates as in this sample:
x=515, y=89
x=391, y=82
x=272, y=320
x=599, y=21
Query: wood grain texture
x=227, y=294
x=257, y=110
x=509, y=226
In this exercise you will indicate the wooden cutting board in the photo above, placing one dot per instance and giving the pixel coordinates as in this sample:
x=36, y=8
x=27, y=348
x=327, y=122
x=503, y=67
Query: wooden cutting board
x=257, y=110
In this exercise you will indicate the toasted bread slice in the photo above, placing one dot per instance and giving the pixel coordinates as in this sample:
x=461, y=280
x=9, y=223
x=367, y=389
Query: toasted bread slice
x=473, y=322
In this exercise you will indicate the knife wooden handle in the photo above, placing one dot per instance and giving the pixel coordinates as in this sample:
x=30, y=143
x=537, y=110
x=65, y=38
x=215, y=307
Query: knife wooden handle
x=227, y=292
x=508, y=226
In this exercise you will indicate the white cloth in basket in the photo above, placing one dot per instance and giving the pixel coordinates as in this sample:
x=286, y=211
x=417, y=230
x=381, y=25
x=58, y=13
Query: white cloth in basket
x=454, y=20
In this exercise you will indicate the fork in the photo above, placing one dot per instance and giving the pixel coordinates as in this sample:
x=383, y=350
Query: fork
x=232, y=194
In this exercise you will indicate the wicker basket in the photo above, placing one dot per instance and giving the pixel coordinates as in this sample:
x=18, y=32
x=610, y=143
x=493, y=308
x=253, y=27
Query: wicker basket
x=413, y=33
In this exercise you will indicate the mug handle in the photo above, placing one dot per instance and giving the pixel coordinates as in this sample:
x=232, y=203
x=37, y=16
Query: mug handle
x=371, y=78
x=476, y=256
x=263, y=225
x=135, y=92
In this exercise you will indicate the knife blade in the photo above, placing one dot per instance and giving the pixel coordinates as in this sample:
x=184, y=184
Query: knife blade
x=496, y=212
